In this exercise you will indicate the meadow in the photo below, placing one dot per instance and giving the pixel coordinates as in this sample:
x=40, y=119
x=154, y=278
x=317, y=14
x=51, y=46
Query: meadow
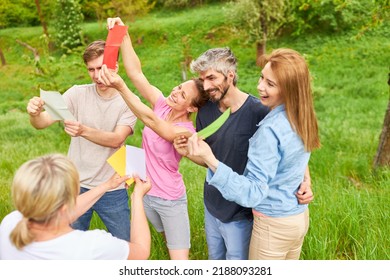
x=350, y=213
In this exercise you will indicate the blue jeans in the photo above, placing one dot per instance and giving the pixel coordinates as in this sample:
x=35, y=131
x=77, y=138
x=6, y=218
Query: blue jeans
x=227, y=241
x=113, y=209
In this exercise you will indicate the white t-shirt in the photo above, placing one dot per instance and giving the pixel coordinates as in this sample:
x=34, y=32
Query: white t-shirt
x=75, y=245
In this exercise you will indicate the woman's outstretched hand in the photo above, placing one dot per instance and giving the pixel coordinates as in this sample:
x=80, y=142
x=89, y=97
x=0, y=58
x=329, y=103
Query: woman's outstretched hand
x=110, y=78
x=112, y=21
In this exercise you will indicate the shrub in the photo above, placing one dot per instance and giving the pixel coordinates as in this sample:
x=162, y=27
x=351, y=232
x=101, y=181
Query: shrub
x=67, y=24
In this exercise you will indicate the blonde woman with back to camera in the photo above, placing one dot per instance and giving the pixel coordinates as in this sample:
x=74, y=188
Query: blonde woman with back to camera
x=45, y=192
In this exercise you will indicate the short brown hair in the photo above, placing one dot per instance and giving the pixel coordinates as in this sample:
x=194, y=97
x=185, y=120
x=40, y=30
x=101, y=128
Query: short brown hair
x=94, y=50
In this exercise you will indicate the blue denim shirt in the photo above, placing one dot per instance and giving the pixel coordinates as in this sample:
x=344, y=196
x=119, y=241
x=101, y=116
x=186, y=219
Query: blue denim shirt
x=275, y=169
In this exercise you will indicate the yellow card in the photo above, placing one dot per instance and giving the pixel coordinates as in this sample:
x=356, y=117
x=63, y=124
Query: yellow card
x=118, y=162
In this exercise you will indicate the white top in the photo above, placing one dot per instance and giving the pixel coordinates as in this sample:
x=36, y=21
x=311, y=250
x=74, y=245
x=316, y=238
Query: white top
x=75, y=245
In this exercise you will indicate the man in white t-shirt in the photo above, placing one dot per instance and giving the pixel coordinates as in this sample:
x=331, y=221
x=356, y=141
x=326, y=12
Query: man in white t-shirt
x=103, y=122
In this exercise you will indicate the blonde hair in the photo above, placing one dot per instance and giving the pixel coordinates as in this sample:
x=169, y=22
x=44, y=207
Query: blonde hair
x=39, y=189
x=292, y=74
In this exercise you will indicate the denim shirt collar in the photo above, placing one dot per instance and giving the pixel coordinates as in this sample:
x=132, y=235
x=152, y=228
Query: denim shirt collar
x=273, y=112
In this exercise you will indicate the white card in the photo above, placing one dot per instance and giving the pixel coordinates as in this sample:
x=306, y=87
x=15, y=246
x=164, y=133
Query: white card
x=55, y=105
x=135, y=162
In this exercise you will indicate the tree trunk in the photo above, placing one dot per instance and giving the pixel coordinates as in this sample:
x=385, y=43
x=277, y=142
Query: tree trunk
x=382, y=157
x=260, y=50
x=44, y=25
x=261, y=45
x=3, y=62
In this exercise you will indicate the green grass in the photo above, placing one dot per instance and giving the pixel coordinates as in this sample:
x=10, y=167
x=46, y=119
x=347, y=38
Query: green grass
x=350, y=212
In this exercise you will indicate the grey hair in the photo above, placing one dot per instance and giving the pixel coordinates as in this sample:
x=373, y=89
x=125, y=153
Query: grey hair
x=221, y=60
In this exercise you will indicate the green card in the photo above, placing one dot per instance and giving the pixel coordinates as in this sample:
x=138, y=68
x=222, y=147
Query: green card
x=215, y=125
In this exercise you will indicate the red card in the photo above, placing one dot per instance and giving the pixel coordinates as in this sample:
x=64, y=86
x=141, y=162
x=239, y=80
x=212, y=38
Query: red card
x=115, y=35
x=113, y=42
x=110, y=56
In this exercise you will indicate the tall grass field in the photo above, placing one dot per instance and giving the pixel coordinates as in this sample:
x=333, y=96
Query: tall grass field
x=349, y=216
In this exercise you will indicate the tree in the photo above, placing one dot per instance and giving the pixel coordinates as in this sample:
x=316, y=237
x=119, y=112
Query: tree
x=68, y=19
x=44, y=25
x=259, y=19
x=328, y=16
x=2, y=58
x=379, y=14
x=17, y=13
x=382, y=157
x=177, y=4
x=127, y=10
x=131, y=9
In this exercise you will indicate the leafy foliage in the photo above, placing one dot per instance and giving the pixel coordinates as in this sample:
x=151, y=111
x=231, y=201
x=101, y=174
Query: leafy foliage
x=257, y=19
x=178, y=4
x=125, y=9
x=380, y=13
x=13, y=13
x=67, y=24
x=330, y=15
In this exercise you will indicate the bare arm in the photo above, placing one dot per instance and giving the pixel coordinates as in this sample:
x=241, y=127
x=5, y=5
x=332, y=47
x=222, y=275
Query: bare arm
x=140, y=233
x=133, y=66
x=139, y=245
x=199, y=148
x=41, y=119
x=113, y=139
x=163, y=128
x=87, y=199
x=38, y=118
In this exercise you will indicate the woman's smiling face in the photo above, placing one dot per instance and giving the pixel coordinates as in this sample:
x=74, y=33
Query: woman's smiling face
x=268, y=88
x=182, y=95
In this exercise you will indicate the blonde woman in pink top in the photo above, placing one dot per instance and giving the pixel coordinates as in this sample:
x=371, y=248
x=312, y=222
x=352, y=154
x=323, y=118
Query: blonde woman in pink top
x=166, y=202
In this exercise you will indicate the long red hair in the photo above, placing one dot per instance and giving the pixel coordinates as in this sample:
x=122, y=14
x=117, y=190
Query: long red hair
x=293, y=78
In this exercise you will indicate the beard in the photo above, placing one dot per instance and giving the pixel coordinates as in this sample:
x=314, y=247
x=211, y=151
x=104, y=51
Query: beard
x=223, y=92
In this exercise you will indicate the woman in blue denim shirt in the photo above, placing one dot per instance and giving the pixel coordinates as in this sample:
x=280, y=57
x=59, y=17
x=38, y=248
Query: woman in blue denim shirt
x=278, y=155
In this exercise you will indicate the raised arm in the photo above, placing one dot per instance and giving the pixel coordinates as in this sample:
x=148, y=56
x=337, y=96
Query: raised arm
x=163, y=128
x=133, y=66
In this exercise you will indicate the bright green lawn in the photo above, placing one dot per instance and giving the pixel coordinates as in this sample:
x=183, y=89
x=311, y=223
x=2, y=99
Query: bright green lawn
x=350, y=213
